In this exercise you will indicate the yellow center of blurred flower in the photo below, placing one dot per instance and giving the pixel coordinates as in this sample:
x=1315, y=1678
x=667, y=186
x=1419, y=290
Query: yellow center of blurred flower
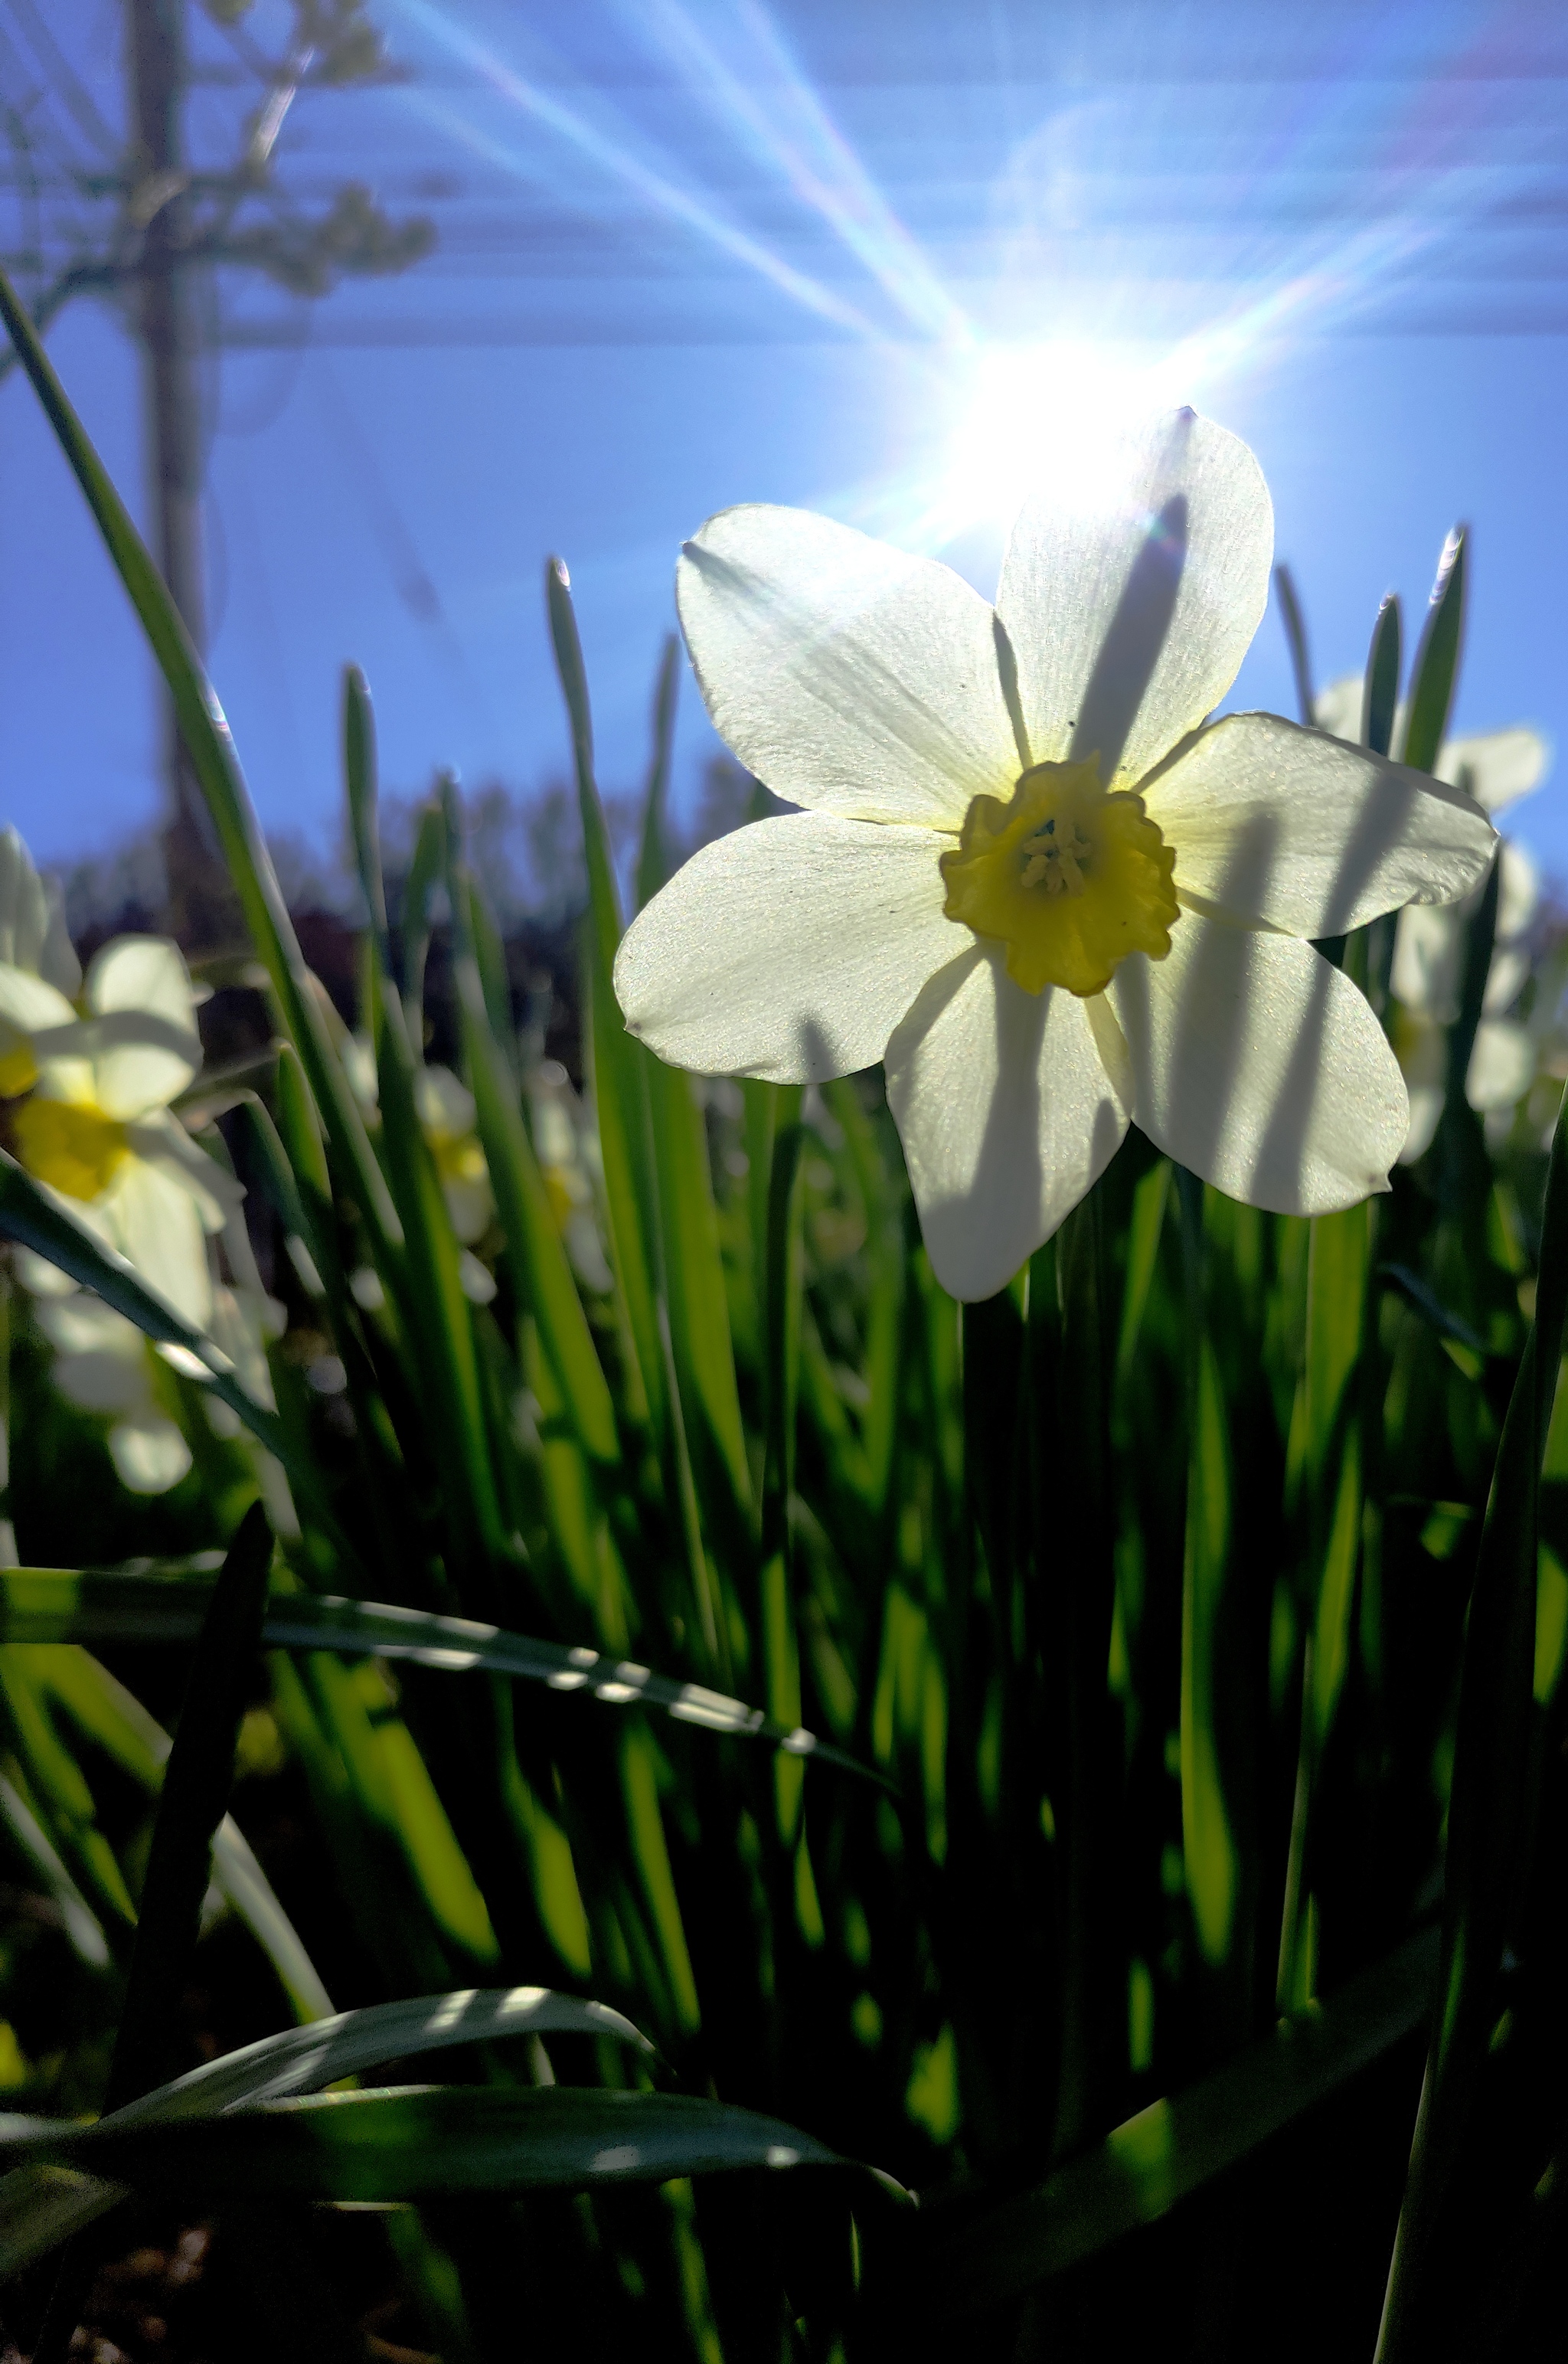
x=18, y=1068
x=459, y=1157
x=1070, y=878
x=71, y=1146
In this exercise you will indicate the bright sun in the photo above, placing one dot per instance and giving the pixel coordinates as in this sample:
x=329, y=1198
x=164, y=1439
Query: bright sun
x=1035, y=415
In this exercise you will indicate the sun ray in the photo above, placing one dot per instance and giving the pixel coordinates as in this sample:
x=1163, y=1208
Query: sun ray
x=767, y=101
x=613, y=157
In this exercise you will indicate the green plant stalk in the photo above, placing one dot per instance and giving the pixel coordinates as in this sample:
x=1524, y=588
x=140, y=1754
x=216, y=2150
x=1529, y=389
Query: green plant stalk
x=1490, y=1807
x=1093, y=1975
x=1210, y=1844
x=1339, y=1268
x=1436, y=667
x=780, y=1647
x=622, y=1098
x=653, y=860
x=1295, y=640
x=194, y=1800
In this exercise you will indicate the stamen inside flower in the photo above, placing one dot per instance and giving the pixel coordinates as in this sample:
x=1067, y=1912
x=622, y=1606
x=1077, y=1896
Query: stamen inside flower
x=70, y=1144
x=1068, y=877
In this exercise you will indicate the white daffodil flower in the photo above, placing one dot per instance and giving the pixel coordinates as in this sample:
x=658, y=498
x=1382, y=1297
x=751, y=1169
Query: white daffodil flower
x=102, y=1364
x=560, y=1138
x=32, y=921
x=1426, y=977
x=1030, y=875
x=1496, y=768
x=447, y=1122
x=95, y=1128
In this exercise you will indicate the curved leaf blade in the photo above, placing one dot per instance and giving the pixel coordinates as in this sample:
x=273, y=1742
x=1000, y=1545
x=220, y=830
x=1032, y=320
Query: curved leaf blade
x=409, y=2143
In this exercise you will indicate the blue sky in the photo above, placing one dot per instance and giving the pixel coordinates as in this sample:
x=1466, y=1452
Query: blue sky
x=711, y=253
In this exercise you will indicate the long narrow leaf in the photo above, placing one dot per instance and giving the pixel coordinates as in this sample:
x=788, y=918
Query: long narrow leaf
x=1170, y=2149
x=406, y=2144
x=68, y=1604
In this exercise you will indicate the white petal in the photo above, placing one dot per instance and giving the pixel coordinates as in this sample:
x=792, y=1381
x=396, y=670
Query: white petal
x=790, y=949
x=359, y=1065
x=84, y=1325
x=1288, y=826
x=23, y=906
x=162, y=1142
x=476, y=1281
x=1130, y=608
x=1497, y=767
x=102, y=1379
x=1338, y=709
x=1505, y=980
x=57, y=963
x=158, y=1226
x=149, y=1047
x=150, y=1455
x=1428, y=945
x=1501, y=1064
x=848, y=676
x=39, y=1277
x=469, y=1208
x=1261, y=1068
x=1006, y=1112
x=445, y=1105
x=1519, y=890
x=30, y=1004
x=1426, y=1112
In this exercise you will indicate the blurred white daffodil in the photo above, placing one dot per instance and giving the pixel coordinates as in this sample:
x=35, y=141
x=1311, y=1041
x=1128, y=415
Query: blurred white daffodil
x=1426, y=979
x=33, y=936
x=447, y=1122
x=1030, y=875
x=1496, y=768
x=95, y=1128
x=565, y=1144
x=103, y=1364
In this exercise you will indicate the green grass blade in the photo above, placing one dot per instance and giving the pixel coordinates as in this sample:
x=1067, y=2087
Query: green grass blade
x=622, y=1071
x=192, y=1803
x=780, y=1333
x=541, y=1271
x=1495, y=1769
x=58, y=1790
x=1295, y=640
x=217, y=765
x=1169, y=2150
x=1381, y=697
x=410, y=2144
x=424, y=872
x=699, y=1304
x=364, y=827
x=435, y=1306
x=52, y=1605
x=81, y=1924
x=653, y=860
x=114, y=1720
x=1436, y=668
x=308, y=2059
x=620, y=1075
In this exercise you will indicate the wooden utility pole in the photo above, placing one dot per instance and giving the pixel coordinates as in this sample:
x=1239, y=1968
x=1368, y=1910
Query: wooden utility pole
x=201, y=908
